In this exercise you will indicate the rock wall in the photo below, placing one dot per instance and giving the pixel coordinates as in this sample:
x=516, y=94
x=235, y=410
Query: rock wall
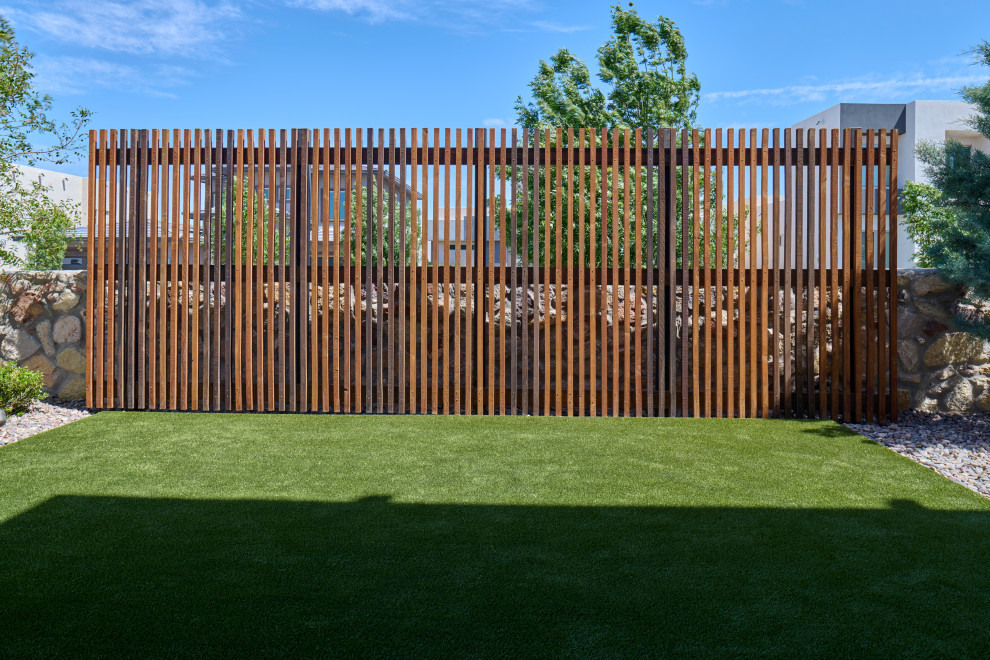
x=42, y=320
x=940, y=368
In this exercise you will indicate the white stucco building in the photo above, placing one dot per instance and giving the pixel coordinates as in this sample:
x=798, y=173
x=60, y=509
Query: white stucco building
x=916, y=122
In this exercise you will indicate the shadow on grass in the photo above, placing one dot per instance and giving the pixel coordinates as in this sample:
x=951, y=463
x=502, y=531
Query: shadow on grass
x=127, y=576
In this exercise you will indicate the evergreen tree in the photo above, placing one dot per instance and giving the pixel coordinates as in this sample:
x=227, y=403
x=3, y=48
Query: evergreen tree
x=962, y=176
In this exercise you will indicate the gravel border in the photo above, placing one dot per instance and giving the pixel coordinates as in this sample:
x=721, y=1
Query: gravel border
x=956, y=445
x=42, y=416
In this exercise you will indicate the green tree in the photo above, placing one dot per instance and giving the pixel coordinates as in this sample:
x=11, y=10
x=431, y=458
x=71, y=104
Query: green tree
x=643, y=64
x=926, y=218
x=269, y=252
x=961, y=175
x=25, y=116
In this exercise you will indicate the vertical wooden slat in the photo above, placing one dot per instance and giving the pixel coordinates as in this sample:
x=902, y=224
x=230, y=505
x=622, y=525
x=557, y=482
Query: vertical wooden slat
x=882, y=293
x=512, y=300
x=196, y=261
x=823, y=222
x=524, y=262
x=236, y=298
x=869, y=272
x=444, y=278
x=351, y=311
x=742, y=247
x=316, y=281
x=424, y=287
x=616, y=219
x=582, y=306
x=537, y=362
x=753, y=366
x=490, y=258
x=210, y=202
x=141, y=282
x=355, y=189
x=369, y=276
x=247, y=288
x=112, y=269
x=627, y=229
x=273, y=259
x=852, y=301
x=667, y=247
x=558, y=214
x=651, y=264
x=391, y=368
x=593, y=238
x=401, y=263
x=705, y=215
x=813, y=280
x=414, y=237
x=800, y=379
x=733, y=237
x=332, y=250
x=567, y=264
x=131, y=244
x=836, y=198
x=122, y=274
x=465, y=376
x=379, y=239
x=765, y=358
x=173, y=294
x=776, y=306
x=98, y=292
x=694, y=292
x=478, y=263
x=302, y=225
x=685, y=276
x=787, y=389
x=719, y=260
x=91, y=265
x=436, y=380
x=892, y=278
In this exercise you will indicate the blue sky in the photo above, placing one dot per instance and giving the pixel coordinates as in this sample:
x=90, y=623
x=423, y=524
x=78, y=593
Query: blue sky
x=462, y=63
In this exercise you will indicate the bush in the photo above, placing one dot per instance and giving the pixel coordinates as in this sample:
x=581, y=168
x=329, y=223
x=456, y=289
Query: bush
x=19, y=388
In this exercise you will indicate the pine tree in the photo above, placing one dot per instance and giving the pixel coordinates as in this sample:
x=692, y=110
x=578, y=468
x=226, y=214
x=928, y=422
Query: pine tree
x=962, y=176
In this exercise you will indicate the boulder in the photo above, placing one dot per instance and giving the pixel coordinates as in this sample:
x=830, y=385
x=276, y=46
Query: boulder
x=27, y=307
x=18, y=345
x=72, y=359
x=66, y=302
x=74, y=389
x=68, y=330
x=43, y=331
x=960, y=397
x=955, y=348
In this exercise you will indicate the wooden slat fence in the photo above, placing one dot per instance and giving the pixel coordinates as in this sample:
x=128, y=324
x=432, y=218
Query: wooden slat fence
x=704, y=273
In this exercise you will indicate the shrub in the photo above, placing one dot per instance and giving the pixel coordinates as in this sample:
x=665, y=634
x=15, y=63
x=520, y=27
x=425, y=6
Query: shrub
x=19, y=388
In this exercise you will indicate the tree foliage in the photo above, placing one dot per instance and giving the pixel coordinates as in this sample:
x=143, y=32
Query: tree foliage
x=25, y=116
x=961, y=175
x=926, y=218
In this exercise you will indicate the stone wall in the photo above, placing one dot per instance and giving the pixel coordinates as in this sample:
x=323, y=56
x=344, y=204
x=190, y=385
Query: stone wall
x=940, y=367
x=42, y=318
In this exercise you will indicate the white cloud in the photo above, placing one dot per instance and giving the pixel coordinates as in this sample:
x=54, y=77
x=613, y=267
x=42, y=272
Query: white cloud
x=143, y=27
x=77, y=75
x=493, y=123
x=460, y=15
x=374, y=9
x=547, y=26
x=896, y=87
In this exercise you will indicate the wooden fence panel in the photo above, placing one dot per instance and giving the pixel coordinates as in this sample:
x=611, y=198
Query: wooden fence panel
x=561, y=271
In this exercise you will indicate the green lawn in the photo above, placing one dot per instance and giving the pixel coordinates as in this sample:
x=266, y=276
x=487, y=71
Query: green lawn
x=199, y=534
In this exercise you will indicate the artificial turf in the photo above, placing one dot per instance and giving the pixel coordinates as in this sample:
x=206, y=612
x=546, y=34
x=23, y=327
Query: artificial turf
x=175, y=534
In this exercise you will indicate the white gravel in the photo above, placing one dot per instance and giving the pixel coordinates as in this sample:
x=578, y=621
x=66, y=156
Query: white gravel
x=42, y=416
x=955, y=445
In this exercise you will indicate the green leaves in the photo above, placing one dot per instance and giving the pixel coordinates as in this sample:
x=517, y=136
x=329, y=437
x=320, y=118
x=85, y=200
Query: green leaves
x=952, y=224
x=643, y=64
x=24, y=115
